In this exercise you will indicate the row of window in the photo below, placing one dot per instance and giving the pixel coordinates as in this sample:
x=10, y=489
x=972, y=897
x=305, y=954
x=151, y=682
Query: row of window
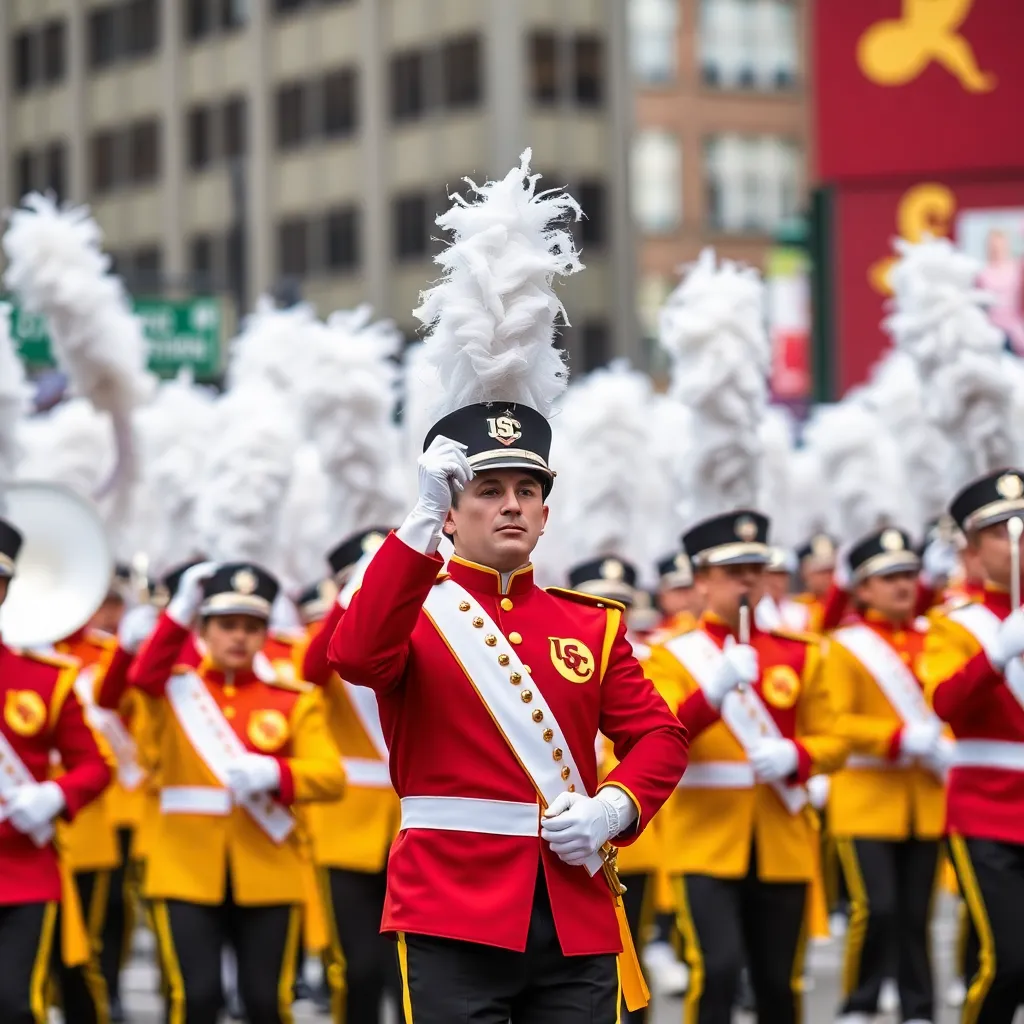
x=126, y=156
x=326, y=107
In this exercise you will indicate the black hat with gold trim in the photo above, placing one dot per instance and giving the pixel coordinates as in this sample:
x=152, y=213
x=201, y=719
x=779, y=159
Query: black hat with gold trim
x=10, y=545
x=239, y=588
x=605, y=577
x=675, y=572
x=168, y=584
x=352, y=548
x=782, y=561
x=991, y=499
x=735, y=538
x=882, y=553
x=818, y=553
x=314, y=602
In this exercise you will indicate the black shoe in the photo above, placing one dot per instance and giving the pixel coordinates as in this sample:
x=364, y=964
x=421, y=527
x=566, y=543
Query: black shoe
x=236, y=1011
x=301, y=990
x=745, y=1000
x=116, y=1010
x=322, y=998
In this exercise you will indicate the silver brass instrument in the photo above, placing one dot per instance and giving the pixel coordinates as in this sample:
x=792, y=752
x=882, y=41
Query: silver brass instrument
x=1015, y=527
x=64, y=568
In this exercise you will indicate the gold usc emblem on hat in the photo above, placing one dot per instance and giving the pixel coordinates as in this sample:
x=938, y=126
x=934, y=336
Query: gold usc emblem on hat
x=505, y=429
x=572, y=659
x=267, y=730
x=25, y=712
x=780, y=686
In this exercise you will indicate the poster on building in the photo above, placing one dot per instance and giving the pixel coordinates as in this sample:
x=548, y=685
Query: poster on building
x=787, y=287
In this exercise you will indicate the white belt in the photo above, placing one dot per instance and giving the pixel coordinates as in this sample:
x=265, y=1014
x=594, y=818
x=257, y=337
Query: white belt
x=210, y=800
x=870, y=761
x=718, y=775
x=362, y=771
x=464, y=814
x=989, y=754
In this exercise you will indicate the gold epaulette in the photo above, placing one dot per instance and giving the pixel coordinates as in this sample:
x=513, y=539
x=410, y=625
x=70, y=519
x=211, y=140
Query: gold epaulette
x=581, y=598
x=104, y=641
x=795, y=634
x=441, y=577
x=60, y=661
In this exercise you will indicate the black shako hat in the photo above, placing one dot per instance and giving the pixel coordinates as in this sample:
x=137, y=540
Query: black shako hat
x=882, y=553
x=314, y=602
x=500, y=435
x=239, y=588
x=735, y=538
x=990, y=499
x=820, y=550
x=10, y=545
x=605, y=577
x=675, y=571
x=352, y=548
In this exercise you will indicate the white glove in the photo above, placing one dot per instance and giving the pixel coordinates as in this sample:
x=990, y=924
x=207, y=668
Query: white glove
x=940, y=760
x=577, y=826
x=774, y=759
x=818, y=787
x=252, y=774
x=841, y=575
x=443, y=467
x=739, y=666
x=939, y=561
x=185, y=603
x=136, y=624
x=35, y=805
x=1009, y=641
x=919, y=739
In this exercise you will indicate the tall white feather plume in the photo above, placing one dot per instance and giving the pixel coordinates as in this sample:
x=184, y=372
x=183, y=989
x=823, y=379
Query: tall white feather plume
x=671, y=430
x=777, y=493
x=493, y=315
x=809, y=512
x=245, y=478
x=713, y=328
x=306, y=533
x=939, y=320
x=421, y=388
x=14, y=402
x=271, y=346
x=56, y=268
x=346, y=392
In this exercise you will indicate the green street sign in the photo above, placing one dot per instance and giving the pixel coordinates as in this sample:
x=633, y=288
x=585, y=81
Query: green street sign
x=179, y=333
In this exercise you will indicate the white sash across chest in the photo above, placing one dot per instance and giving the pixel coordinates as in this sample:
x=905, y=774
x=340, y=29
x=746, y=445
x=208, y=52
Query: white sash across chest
x=13, y=775
x=218, y=745
x=743, y=712
x=109, y=725
x=480, y=651
x=983, y=624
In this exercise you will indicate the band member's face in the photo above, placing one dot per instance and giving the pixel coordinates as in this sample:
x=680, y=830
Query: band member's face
x=498, y=519
x=724, y=585
x=674, y=600
x=233, y=640
x=991, y=544
x=893, y=596
x=776, y=585
x=108, y=615
x=817, y=581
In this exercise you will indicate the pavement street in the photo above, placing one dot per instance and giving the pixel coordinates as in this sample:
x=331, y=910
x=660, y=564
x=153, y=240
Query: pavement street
x=825, y=966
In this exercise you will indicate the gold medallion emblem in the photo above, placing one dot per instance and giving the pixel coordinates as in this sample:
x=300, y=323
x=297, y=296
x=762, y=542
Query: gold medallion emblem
x=267, y=730
x=371, y=542
x=612, y=569
x=572, y=659
x=781, y=686
x=327, y=591
x=505, y=429
x=822, y=546
x=746, y=529
x=682, y=563
x=891, y=540
x=25, y=712
x=1010, y=486
x=244, y=582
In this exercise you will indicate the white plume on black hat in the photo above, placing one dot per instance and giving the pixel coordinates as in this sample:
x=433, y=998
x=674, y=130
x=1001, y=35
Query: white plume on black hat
x=15, y=397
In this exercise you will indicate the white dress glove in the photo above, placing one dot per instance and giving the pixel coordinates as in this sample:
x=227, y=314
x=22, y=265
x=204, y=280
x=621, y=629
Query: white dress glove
x=939, y=561
x=940, y=760
x=184, y=605
x=442, y=468
x=1009, y=641
x=739, y=666
x=919, y=739
x=577, y=826
x=252, y=774
x=136, y=624
x=34, y=806
x=841, y=575
x=774, y=759
x=818, y=787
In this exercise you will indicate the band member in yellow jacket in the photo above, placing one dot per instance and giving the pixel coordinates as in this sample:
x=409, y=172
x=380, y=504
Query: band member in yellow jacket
x=739, y=833
x=236, y=751
x=886, y=806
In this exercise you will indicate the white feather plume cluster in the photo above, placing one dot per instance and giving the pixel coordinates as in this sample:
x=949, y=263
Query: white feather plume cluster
x=493, y=315
x=421, y=389
x=305, y=530
x=57, y=268
x=939, y=319
x=778, y=493
x=15, y=397
x=713, y=328
x=271, y=346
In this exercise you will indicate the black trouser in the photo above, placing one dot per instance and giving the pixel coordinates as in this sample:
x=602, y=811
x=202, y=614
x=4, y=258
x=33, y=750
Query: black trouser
x=361, y=961
x=634, y=902
x=84, y=986
x=721, y=919
x=891, y=887
x=991, y=877
x=115, y=933
x=191, y=936
x=451, y=982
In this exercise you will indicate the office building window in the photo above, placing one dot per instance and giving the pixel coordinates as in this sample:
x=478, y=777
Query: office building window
x=201, y=260
x=56, y=168
x=753, y=183
x=408, y=86
x=200, y=138
x=233, y=13
x=594, y=343
x=103, y=36
x=146, y=272
x=343, y=251
x=592, y=228
x=144, y=152
x=653, y=28
x=103, y=162
x=206, y=17
x=341, y=102
x=293, y=247
x=748, y=44
x=588, y=70
x=54, y=51
x=236, y=135
x=142, y=27
x=461, y=72
x=544, y=68
x=24, y=174
x=24, y=64
x=411, y=226
x=656, y=173
x=286, y=6
x=291, y=115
